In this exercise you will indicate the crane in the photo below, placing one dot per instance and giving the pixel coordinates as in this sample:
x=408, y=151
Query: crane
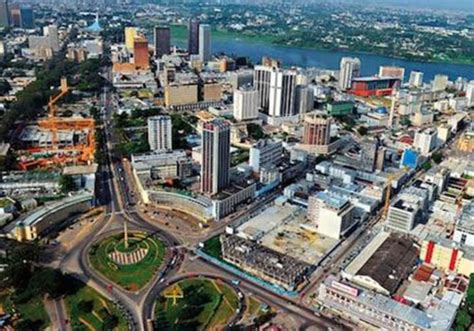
x=388, y=193
x=52, y=122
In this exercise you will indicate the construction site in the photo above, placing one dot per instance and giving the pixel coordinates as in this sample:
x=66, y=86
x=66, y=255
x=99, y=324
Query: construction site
x=56, y=141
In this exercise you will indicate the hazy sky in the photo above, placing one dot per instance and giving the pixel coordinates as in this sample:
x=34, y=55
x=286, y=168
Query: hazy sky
x=440, y=4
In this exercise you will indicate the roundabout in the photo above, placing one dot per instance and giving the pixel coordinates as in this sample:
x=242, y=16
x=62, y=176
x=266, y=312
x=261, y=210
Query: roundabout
x=196, y=304
x=131, y=264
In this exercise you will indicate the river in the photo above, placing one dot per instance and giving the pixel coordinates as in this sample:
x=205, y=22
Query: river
x=304, y=57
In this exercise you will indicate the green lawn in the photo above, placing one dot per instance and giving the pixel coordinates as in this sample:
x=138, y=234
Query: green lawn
x=97, y=317
x=213, y=248
x=204, y=307
x=134, y=276
x=32, y=310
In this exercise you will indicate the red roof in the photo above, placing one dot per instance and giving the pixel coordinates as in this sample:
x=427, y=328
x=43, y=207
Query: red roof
x=423, y=274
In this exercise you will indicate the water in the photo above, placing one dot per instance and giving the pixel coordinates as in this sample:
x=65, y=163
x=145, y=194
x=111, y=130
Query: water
x=303, y=57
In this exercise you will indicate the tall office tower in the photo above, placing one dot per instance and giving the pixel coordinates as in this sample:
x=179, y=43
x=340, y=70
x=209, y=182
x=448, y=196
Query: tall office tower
x=261, y=80
x=15, y=15
x=304, y=99
x=130, y=34
x=470, y=93
x=317, y=129
x=246, y=103
x=27, y=17
x=4, y=13
x=52, y=32
x=282, y=93
x=193, y=37
x=215, y=162
x=425, y=141
x=392, y=72
x=368, y=154
x=204, y=42
x=349, y=69
x=160, y=133
x=440, y=82
x=416, y=79
x=162, y=41
x=141, y=56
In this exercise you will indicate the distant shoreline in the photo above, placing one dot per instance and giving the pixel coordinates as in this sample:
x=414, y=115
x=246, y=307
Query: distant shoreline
x=177, y=34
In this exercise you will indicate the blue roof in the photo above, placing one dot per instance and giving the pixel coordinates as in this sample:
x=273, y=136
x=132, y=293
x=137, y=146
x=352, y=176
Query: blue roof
x=381, y=110
x=95, y=27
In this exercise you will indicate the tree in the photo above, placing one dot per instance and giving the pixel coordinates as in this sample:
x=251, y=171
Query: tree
x=437, y=157
x=66, y=184
x=4, y=87
x=85, y=306
x=110, y=322
x=463, y=320
x=362, y=130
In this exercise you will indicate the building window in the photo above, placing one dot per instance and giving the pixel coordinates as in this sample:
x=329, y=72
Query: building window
x=463, y=238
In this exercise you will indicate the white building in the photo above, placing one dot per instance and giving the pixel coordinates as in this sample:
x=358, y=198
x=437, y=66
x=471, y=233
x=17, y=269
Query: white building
x=282, y=93
x=440, y=83
x=416, y=79
x=349, y=69
x=204, y=42
x=425, y=141
x=464, y=231
x=160, y=133
x=470, y=93
x=51, y=31
x=245, y=103
x=265, y=153
x=331, y=213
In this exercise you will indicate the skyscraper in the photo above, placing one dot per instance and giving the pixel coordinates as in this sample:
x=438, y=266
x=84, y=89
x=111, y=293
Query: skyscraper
x=245, y=103
x=4, y=13
x=140, y=53
x=416, y=79
x=51, y=31
x=15, y=16
x=27, y=17
x=160, y=133
x=193, y=37
x=349, y=69
x=316, y=129
x=162, y=41
x=262, y=84
x=282, y=93
x=130, y=34
x=205, y=42
x=215, y=162
x=368, y=154
x=470, y=93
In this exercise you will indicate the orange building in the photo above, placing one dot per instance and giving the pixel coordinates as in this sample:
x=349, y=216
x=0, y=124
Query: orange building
x=140, y=53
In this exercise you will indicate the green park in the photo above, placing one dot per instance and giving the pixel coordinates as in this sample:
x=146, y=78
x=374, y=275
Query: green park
x=130, y=265
x=196, y=304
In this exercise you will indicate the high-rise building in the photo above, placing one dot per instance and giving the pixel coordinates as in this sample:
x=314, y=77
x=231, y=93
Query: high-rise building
x=304, y=99
x=470, y=93
x=349, y=69
x=416, y=79
x=4, y=13
x=27, y=17
x=440, y=82
x=245, y=103
x=193, y=37
x=215, y=154
x=368, y=154
x=15, y=16
x=130, y=34
x=261, y=80
x=282, y=93
x=141, y=56
x=392, y=72
x=425, y=141
x=51, y=31
x=331, y=213
x=162, y=41
x=160, y=133
x=317, y=129
x=204, y=42
x=266, y=153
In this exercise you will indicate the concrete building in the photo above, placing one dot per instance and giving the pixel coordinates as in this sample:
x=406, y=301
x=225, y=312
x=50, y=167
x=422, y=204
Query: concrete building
x=141, y=57
x=204, y=42
x=349, y=69
x=416, y=79
x=4, y=13
x=440, y=82
x=304, y=99
x=51, y=31
x=331, y=213
x=181, y=94
x=215, y=164
x=282, y=93
x=404, y=213
x=425, y=141
x=193, y=37
x=391, y=71
x=470, y=93
x=262, y=75
x=227, y=201
x=212, y=92
x=464, y=230
x=162, y=37
x=245, y=103
x=130, y=34
x=317, y=129
x=265, y=153
x=160, y=133
x=162, y=165
x=368, y=154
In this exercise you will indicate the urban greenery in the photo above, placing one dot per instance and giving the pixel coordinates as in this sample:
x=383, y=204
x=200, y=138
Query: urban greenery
x=465, y=315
